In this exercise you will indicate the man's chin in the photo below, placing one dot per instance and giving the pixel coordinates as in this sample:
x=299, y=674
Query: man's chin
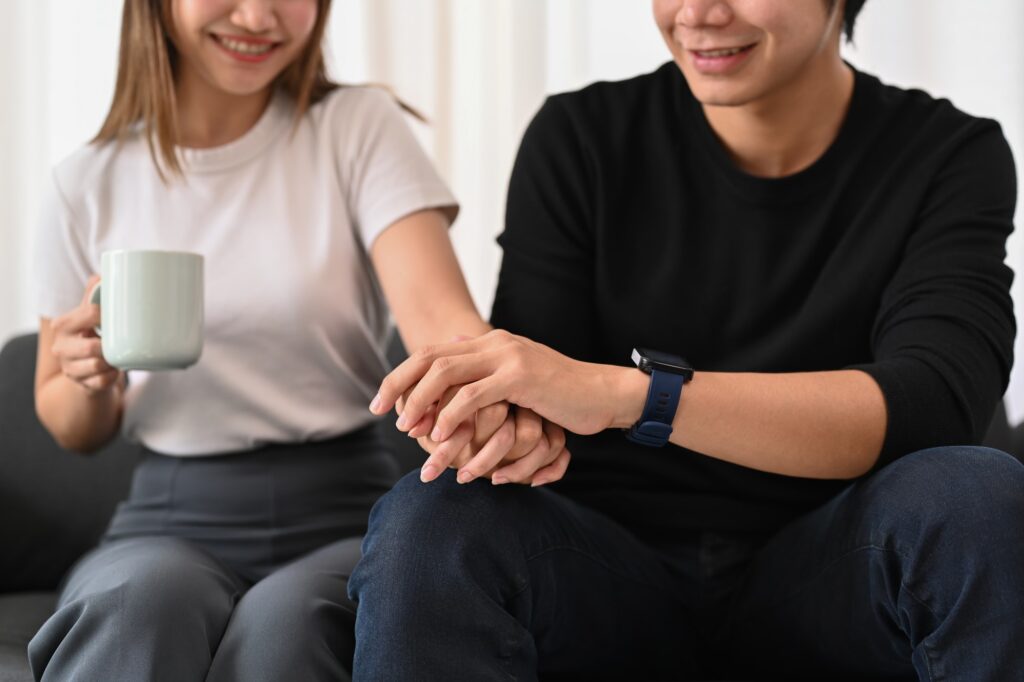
x=717, y=93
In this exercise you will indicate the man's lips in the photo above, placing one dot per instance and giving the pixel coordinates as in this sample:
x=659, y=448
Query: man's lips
x=716, y=52
x=720, y=61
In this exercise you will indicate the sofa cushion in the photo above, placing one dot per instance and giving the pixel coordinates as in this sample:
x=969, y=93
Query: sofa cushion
x=53, y=504
x=21, y=615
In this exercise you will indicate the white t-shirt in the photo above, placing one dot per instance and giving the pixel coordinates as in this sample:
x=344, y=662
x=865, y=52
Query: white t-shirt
x=295, y=320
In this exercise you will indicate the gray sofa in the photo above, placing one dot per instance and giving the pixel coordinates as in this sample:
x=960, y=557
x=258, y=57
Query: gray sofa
x=54, y=504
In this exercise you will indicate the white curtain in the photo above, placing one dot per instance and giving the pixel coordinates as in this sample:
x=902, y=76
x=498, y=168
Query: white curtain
x=477, y=69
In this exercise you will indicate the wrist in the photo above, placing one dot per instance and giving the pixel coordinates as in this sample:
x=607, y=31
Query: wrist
x=628, y=389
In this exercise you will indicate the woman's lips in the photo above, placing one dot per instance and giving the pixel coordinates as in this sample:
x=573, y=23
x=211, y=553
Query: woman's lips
x=246, y=49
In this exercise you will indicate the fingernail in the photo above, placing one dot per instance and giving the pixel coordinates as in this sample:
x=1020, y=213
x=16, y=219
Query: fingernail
x=465, y=476
x=435, y=435
x=428, y=473
x=375, y=404
x=498, y=480
x=539, y=482
x=401, y=423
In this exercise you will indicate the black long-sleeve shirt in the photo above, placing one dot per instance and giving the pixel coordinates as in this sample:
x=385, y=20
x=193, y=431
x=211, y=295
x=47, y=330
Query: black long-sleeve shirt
x=629, y=225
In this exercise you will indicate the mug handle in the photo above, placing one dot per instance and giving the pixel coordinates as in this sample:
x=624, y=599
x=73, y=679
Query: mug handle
x=94, y=298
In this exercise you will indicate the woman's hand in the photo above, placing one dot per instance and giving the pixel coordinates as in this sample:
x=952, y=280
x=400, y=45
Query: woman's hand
x=505, y=446
x=584, y=398
x=78, y=349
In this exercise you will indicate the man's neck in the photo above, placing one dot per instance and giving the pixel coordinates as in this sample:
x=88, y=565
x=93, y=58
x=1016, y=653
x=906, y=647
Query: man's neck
x=790, y=129
x=208, y=117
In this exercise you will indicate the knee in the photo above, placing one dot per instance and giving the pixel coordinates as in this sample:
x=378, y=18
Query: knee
x=311, y=623
x=133, y=605
x=155, y=584
x=425, y=537
x=440, y=517
x=305, y=605
x=967, y=492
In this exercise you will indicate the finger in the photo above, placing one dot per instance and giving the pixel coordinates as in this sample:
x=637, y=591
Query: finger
x=87, y=294
x=405, y=376
x=468, y=399
x=523, y=469
x=554, y=471
x=488, y=421
x=442, y=457
x=428, y=445
x=464, y=457
x=445, y=373
x=529, y=431
x=555, y=435
x=424, y=425
x=72, y=348
x=80, y=321
x=101, y=382
x=492, y=452
x=547, y=451
x=83, y=370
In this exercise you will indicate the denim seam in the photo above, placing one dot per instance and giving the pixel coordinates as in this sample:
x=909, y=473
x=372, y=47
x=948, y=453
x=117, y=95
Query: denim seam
x=929, y=652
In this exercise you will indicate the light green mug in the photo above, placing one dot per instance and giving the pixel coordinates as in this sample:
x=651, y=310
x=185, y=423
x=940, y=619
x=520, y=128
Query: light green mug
x=151, y=309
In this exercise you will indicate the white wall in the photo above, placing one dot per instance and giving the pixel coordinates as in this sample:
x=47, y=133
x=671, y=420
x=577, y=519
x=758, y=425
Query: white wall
x=478, y=69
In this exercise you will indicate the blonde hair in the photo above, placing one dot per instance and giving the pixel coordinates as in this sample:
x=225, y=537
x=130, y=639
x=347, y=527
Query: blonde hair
x=148, y=63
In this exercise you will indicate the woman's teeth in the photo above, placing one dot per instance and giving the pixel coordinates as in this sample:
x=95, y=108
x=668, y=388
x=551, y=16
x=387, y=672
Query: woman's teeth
x=245, y=47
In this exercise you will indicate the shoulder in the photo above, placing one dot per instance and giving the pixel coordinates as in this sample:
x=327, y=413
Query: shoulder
x=611, y=117
x=931, y=128
x=351, y=107
x=611, y=103
x=85, y=172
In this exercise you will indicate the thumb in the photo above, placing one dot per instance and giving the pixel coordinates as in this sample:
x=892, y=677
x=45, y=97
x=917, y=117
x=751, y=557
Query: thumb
x=93, y=280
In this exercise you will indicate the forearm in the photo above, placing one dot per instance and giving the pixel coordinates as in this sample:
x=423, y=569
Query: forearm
x=442, y=326
x=78, y=419
x=812, y=425
x=422, y=282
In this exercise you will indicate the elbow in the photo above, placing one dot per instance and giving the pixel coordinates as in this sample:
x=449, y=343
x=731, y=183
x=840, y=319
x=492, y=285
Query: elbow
x=65, y=439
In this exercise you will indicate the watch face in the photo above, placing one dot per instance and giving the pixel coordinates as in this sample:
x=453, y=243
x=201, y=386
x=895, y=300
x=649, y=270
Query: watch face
x=648, y=360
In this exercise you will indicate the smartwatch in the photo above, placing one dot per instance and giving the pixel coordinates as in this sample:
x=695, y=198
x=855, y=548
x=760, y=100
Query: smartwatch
x=668, y=375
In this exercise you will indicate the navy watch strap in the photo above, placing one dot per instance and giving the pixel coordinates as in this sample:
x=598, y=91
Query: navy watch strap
x=655, y=424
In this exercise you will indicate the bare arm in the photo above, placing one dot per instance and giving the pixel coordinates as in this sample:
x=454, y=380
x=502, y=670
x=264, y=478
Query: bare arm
x=420, y=276
x=813, y=425
x=423, y=284
x=79, y=398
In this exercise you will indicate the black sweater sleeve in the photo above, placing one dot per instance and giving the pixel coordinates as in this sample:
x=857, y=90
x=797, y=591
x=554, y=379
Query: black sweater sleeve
x=545, y=286
x=943, y=338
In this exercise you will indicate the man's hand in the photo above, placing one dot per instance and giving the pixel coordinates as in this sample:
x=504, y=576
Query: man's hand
x=582, y=397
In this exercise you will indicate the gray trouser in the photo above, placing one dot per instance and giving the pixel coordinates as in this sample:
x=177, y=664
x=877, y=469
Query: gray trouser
x=230, y=567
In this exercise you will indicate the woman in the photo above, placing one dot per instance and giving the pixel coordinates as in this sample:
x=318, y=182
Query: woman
x=312, y=205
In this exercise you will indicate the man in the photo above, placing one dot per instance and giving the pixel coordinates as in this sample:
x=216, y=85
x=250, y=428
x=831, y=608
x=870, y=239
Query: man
x=827, y=253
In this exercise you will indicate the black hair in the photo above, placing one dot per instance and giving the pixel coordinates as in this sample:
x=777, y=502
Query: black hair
x=850, y=11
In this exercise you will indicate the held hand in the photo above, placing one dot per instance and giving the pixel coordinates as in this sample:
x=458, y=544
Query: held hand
x=78, y=349
x=486, y=429
x=518, y=448
x=584, y=398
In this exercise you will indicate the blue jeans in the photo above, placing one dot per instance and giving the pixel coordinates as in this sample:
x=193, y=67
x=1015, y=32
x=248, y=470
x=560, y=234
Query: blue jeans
x=914, y=572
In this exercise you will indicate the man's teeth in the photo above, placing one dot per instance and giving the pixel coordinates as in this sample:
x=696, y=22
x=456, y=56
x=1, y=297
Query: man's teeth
x=246, y=48
x=722, y=53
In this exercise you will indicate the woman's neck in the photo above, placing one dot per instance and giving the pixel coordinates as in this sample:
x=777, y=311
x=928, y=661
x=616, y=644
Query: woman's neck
x=788, y=130
x=208, y=117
